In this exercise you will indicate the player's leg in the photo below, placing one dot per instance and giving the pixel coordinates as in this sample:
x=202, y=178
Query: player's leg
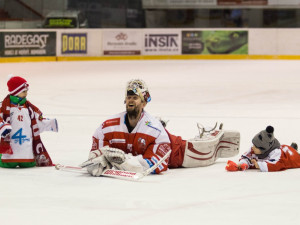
x=206, y=150
x=27, y=164
x=7, y=165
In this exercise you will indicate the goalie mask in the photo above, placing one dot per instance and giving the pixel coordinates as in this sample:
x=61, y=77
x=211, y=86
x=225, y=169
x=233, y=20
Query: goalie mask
x=138, y=87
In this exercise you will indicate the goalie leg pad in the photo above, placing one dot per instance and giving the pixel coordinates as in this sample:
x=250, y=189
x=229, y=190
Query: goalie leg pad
x=206, y=150
x=230, y=143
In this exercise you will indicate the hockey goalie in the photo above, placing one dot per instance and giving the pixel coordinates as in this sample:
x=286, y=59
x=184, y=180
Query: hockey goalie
x=136, y=141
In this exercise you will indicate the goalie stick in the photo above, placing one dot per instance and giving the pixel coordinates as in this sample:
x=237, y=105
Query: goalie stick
x=119, y=174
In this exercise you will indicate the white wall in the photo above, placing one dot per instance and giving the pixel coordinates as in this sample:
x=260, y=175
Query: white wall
x=274, y=42
x=284, y=2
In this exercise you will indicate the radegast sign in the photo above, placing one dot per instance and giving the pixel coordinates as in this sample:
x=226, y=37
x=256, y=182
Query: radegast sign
x=15, y=44
x=162, y=43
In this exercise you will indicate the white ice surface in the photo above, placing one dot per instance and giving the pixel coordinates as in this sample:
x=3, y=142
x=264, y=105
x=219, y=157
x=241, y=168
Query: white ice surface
x=244, y=95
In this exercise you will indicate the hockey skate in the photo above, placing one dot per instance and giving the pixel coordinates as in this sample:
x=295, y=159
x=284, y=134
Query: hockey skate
x=211, y=144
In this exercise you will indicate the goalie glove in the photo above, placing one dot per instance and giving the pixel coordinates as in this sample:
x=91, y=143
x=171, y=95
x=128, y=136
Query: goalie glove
x=99, y=163
x=132, y=163
x=126, y=162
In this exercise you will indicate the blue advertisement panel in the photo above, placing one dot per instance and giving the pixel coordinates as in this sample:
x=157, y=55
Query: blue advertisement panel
x=74, y=43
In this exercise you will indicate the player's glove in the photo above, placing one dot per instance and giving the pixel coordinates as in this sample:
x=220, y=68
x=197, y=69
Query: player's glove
x=126, y=162
x=5, y=129
x=98, y=163
x=231, y=166
x=132, y=163
x=243, y=166
x=113, y=155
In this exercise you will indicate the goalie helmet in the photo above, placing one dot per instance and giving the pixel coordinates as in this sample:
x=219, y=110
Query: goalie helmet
x=138, y=87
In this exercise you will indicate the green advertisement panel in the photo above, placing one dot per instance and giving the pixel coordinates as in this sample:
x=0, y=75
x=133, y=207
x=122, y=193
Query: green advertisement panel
x=215, y=42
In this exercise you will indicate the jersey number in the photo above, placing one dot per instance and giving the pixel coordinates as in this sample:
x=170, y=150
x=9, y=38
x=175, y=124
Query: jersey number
x=19, y=137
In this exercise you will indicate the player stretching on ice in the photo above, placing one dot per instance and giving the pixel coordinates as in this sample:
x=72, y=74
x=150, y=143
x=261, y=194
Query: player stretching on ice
x=20, y=125
x=267, y=155
x=138, y=141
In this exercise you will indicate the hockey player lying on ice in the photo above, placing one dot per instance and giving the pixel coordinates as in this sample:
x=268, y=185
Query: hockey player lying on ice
x=137, y=140
x=267, y=154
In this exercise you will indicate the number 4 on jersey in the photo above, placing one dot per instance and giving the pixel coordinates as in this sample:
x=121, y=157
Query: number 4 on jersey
x=19, y=137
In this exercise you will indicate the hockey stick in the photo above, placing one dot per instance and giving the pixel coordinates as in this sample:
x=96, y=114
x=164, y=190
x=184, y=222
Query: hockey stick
x=151, y=169
x=119, y=174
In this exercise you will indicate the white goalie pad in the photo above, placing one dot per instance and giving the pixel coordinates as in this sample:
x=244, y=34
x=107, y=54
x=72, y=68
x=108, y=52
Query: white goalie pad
x=206, y=150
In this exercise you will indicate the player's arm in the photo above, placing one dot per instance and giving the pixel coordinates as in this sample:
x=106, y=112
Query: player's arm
x=140, y=163
x=152, y=158
x=157, y=150
x=247, y=158
x=5, y=128
x=99, y=139
x=245, y=162
x=96, y=153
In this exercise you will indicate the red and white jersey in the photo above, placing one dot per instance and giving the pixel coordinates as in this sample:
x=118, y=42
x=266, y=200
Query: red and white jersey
x=148, y=138
x=21, y=134
x=282, y=158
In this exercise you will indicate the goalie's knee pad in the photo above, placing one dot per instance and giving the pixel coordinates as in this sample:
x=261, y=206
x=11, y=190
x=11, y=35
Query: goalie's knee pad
x=204, y=151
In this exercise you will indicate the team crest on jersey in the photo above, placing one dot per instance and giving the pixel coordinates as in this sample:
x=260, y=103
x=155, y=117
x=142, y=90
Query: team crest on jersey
x=129, y=147
x=142, y=144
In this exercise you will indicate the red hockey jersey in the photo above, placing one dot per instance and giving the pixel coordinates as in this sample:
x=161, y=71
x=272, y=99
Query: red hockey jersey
x=279, y=159
x=148, y=138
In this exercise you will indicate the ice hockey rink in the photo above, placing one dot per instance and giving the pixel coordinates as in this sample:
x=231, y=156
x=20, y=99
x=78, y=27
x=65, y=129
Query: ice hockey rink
x=245, y=95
